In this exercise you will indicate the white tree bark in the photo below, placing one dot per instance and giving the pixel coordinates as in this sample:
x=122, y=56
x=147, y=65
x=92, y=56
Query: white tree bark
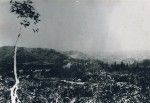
x=14, y=96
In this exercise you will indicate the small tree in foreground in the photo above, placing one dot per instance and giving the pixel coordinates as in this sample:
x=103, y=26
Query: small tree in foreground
x=27, y=16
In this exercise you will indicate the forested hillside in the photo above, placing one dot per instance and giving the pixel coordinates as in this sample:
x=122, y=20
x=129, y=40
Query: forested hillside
x=50, y=76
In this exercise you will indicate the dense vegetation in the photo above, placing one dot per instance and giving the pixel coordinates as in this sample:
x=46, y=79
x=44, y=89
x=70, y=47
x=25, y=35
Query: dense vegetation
x=48, y=76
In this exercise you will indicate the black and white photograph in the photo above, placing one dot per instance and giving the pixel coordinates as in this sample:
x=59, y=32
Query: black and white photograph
x=74, y=51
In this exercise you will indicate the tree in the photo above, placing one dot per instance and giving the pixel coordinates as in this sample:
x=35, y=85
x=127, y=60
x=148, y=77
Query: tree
x=27, y=16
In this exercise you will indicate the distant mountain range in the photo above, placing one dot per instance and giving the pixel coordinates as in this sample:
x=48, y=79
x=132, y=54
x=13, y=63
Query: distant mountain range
x=45, y=63
x=25, y=55
x=107, y=57
x=126, y=57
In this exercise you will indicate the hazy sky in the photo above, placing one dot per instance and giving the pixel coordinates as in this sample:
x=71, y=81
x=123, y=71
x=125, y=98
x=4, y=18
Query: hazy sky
x=84, y=25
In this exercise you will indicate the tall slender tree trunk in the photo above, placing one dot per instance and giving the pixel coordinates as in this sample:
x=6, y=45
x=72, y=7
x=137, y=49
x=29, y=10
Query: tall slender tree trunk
x=14, y=96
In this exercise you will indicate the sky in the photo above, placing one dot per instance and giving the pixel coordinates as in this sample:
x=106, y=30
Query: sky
x=82, y=25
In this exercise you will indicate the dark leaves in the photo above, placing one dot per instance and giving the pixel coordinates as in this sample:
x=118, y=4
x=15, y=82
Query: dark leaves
x=35, y=30
x=24, y=9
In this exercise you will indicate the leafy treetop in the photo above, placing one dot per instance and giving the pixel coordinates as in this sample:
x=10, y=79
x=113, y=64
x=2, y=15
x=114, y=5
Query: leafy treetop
x=26, y=12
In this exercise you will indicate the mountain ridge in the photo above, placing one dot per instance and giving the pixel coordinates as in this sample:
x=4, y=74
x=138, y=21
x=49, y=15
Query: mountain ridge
x=36, y=54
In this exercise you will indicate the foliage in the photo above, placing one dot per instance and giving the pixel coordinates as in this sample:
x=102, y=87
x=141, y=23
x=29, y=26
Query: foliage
x=45, y=78
x=25, y=12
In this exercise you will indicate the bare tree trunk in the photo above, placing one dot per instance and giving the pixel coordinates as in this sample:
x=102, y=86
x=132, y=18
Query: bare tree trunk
x=14, y=96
